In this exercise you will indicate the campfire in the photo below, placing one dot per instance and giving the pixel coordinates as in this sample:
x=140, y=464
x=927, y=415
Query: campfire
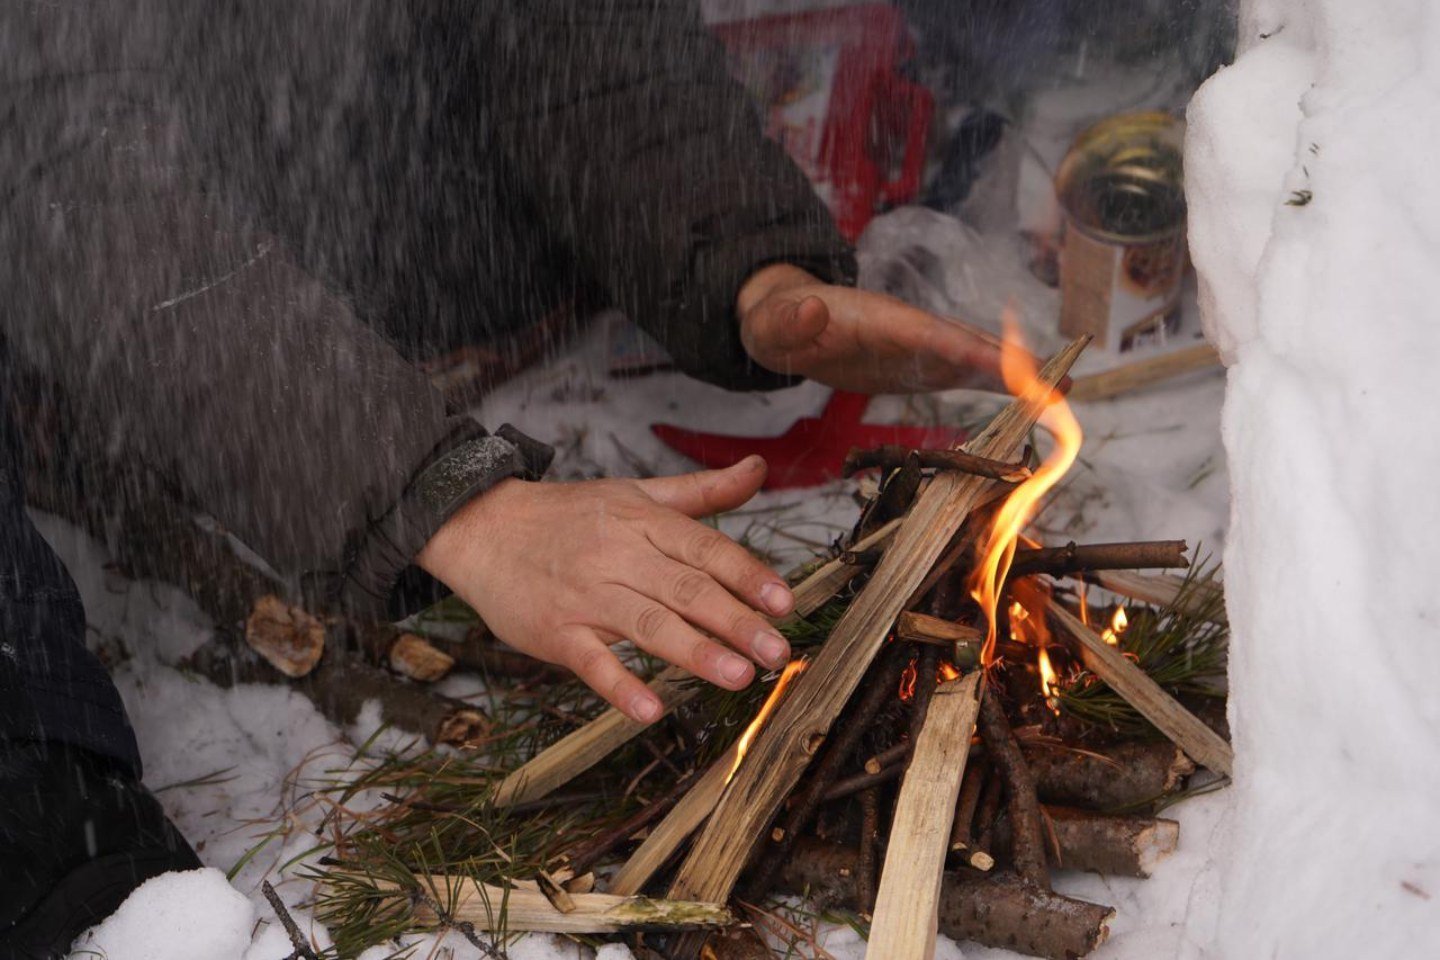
x=958, y=721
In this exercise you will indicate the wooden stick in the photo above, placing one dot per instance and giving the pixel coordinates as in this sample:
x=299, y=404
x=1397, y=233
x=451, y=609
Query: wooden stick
x=489, y=907
x=1143, y=373
x=1028, y=843
x=561, y=762
x=1077, y=558
x=683, y=819
x=915, y=627
x=1160, y=589
x=591, y=853
x=869, y=839
x=850, y=786
x=892, y=456
x=583, y=748
x=890, y=755
x=785, y=746
x=1202, y=744
x=962, y=843
x=907, y=907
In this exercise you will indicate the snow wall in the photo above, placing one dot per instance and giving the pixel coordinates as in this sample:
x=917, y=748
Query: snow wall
x=1313, y=170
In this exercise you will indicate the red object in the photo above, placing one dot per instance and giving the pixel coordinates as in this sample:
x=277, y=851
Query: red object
x=813, y=450
x=834, y=96
x=835, y=99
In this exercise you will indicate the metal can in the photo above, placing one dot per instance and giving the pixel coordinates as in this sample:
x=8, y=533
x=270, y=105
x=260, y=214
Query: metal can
x=1123, y=255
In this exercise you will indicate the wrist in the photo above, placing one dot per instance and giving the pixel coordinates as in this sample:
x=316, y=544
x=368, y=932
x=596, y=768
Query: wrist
x=453, y=545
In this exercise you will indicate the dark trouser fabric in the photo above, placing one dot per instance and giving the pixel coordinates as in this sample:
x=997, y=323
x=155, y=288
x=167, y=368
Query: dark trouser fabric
x=51, y=686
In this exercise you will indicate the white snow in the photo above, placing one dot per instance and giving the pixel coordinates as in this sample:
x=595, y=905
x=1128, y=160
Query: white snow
x=194, y=915
x=1327, y=311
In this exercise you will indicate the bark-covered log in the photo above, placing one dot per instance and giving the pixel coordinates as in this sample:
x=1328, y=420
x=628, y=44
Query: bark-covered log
x=342, y=684
x=1002, y=910
x=1116, y=846
x=1027, y=841
x=996, y=909
x=1107, y=778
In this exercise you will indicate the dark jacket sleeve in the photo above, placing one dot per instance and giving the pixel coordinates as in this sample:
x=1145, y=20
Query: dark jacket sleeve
x=184, y=338
x=630, y=137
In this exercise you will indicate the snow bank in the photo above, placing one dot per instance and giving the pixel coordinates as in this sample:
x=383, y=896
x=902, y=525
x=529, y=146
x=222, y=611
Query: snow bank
x=194, y=915
x=1316, y=229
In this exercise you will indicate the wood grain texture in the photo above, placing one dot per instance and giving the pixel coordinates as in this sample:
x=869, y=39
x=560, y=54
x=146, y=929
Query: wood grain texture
x=786, y=745
x=906, y=917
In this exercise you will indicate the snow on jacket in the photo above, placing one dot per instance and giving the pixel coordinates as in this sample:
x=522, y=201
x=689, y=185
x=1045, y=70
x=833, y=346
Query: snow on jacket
x=228, y=228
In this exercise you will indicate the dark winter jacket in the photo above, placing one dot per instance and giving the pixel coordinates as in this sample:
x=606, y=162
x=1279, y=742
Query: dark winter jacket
x=228, y=227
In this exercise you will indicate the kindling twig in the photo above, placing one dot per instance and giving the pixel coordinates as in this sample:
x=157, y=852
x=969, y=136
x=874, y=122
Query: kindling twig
x=1028, y=846
x=891, y=456
x=302, y=950
x=1079, y=558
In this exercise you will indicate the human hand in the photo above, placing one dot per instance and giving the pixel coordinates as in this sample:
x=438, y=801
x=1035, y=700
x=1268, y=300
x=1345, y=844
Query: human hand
x=790, y=322
x=563, y=570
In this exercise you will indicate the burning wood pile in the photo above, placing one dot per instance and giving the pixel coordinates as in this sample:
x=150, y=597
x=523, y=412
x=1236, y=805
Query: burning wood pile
x=958, y=722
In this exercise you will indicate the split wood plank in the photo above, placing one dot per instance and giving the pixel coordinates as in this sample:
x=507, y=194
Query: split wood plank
x=1144, y=373
x=493, y=908
x=1185, y=730
x=785, y=745
x=1162, y=589
x=580, y=750
x=907, y=918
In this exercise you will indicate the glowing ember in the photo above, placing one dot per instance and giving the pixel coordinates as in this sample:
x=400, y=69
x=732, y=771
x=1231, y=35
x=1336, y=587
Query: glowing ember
x=907, y=682
x=1118, y=623
x=999, y=547
x=792, y=670
x=948, y=671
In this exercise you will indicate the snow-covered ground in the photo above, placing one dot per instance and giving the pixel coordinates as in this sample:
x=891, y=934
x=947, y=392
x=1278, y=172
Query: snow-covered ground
x=1316, y=230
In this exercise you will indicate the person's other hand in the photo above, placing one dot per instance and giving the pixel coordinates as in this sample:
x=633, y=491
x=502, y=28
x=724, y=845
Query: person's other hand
x=563, y=570
x=851, y=339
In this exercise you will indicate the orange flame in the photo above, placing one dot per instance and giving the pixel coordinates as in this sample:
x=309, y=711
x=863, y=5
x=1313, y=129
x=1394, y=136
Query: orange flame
x=948, y=671
x=1118, y=624
x=1049, y=680
x=792, y=670
x=999, y=548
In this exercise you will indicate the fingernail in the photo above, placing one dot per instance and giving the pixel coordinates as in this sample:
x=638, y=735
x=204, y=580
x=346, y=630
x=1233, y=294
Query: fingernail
x=771, y=648
x=734, y=668
x=777, y=598
x=645, y=709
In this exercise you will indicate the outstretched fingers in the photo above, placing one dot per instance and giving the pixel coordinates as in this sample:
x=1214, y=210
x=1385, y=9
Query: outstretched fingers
x=732, y=566
x=658, y=630
x=596, y=664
